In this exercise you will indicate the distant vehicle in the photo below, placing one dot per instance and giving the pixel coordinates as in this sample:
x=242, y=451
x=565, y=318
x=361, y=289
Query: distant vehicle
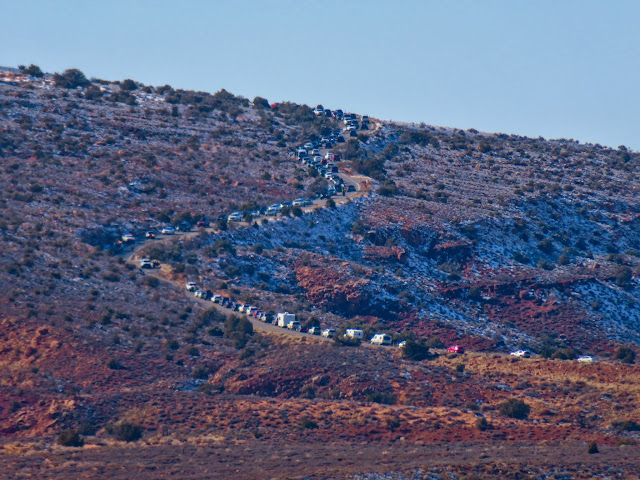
x=272, y=212
x=315, y=331
x=191, y=286
x=150, y=235
x=216, y=298
x=354, y=333
x=309, y=146
x=202, y=223
x=146, y=263
x=381, y=339
x=338, y=114
x=295, y=326
x=250, y=310
x=328, y=333
x=235, y=217
x=314, y=152
x=402, y=344
x=184, y=227
x=365, y=118
x=586, y=359
x=128, y=237
x=455, y=349
x=284, y=318
x=520, y=353
x=351, y=188
x=168, y=230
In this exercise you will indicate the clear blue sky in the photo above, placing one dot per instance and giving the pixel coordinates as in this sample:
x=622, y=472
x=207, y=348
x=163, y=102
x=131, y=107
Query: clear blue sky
x=559, y=69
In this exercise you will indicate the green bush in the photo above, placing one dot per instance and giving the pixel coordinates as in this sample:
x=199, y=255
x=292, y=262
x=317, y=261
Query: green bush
x=114, y=364
x=515, y=408
x=34, y=71
x=435, y=342
x=625, y=355
x=383, y=398
x=238, y=329
x=307, y=423
x=482, y=424
x=70, y=438
x=415, y=351
x=125, y=432
x=342, y=341
x=71, y=78
x=626, y=426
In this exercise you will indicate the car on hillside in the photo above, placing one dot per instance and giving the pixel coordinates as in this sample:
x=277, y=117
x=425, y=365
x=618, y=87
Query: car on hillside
x=271, y=212
x=586, y=359
x=381, y=339
x=302, y=202
x=191, y=286
x=202, y=224
x=455, y=349
x=128, y=238
x=314, y=331
x=521, y=354
x=216, y=298
x=146, y=263
x=168, y=230
x=235, y=217
x=329, y=332
x=309, y=146
x=149, y=235
x=294, y=325
x=338, y=114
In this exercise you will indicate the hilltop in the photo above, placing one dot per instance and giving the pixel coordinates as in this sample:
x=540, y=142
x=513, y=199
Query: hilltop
x=493, y=242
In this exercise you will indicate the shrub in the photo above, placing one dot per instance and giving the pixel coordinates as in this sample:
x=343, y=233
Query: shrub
x=342, y=341
x=565, y=354
x=515, y=408
x=238, y=329
x=415, y=351
x=125, y=432
x=625, y=355
x=592, y=447
x=626, y=426
x=71, y=78
x=260, y=102
x=34, y=71
x=460, y=367
x=114, y=364
x=70, y=438
x=435, y=342
x=482, y=424
x=200, y=372
x=623, y=277
x=545, y=245
x=308, y=424
x=383, y=398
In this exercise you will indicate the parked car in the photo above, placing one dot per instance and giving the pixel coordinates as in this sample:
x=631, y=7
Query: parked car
x=184, y=227
x=235, y=217
x=146, y=263
x=381, y=339
x=402, y=344
x=271, y=212
x=168, y=230
x=149, y=235
x=202, y=223
x=455, y=349
x=216, y=298
x=315, y=331
x=192, y=286
x=520, y=353
x=128, y=238
x=294, y=325
x=586, y=359
x=328, y=333
x=354, y=333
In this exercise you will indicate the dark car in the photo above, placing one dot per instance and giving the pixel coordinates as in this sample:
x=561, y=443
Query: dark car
x=184, y=227
x=340, y=139
x=202, y=223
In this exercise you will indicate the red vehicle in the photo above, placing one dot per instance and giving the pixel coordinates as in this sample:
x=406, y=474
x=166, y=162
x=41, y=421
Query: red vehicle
x=202, y=223
x=455, y=349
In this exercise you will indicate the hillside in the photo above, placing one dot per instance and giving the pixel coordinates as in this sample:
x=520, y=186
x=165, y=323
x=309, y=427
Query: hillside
x=493, y=242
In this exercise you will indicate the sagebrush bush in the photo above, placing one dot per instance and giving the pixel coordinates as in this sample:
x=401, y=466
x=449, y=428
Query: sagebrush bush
x=70, y=438
x=515, y=408
x=125, y=431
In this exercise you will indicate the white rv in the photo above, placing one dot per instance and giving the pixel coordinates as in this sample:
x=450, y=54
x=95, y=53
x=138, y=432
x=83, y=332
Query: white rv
x=381, y=339
x=354, y=333
x=283, y=319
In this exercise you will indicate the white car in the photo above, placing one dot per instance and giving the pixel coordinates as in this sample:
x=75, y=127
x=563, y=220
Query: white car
x=521, y=354
x=191, y=286
x=127, y=237
x=168, y=231
x=235, y=217
x=271, y=212
x=146, y=263
x=586, y=359
x=328, y=333
x=402, y=344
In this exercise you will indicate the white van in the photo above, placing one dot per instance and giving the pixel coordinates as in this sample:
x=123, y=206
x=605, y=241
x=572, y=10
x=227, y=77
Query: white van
x=354, y=333
x=283, y=319
x=381, y=339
